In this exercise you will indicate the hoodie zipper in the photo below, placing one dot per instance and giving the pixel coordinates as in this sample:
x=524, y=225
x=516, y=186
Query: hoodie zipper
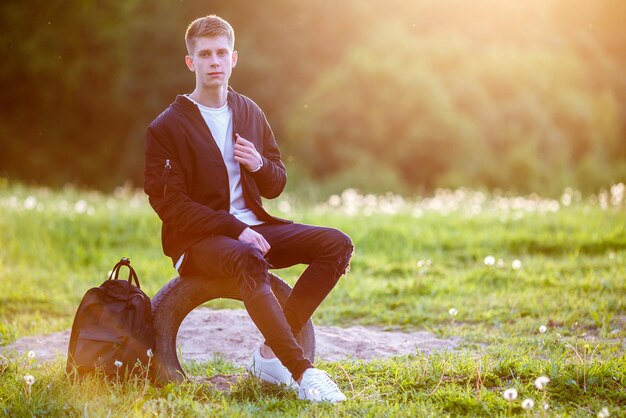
x=166, y=174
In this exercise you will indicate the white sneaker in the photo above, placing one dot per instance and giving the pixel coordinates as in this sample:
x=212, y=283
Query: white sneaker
x=270, y=370
x=316, y=385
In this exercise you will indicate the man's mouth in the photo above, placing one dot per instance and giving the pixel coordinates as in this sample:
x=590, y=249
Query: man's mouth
x=215, y=74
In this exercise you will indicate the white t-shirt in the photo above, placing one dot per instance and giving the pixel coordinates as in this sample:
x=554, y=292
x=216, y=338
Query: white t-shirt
x=220, y=123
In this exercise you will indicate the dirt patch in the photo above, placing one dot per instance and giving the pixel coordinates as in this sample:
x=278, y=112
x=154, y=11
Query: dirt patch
x=230, y=334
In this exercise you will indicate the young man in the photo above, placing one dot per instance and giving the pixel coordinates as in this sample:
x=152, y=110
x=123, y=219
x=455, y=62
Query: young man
x=210, y=156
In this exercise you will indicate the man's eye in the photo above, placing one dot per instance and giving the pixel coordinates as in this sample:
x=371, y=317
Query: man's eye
x=221, y=53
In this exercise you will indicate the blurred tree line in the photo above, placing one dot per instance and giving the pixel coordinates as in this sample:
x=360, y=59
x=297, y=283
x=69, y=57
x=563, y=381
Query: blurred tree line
x=402, y=95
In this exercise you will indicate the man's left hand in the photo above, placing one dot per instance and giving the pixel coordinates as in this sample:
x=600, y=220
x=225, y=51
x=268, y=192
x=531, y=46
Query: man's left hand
x=246, y=154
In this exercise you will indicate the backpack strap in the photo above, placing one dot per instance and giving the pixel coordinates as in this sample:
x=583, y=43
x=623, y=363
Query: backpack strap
x=132, y=276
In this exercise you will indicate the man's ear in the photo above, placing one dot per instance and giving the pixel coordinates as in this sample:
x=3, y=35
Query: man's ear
x=234, y=58
x=189, y=62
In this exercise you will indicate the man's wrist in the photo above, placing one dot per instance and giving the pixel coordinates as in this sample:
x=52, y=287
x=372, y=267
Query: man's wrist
x=260, y=164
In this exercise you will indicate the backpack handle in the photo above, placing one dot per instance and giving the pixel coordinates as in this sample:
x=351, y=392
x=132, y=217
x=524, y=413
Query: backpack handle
x=131, y=275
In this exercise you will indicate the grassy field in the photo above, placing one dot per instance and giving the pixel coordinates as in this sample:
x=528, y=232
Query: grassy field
x=505, y=265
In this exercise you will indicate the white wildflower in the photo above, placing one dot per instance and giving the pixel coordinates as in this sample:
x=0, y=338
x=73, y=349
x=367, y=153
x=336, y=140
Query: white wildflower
x=516, y=264
x=528, y=404
x=541, y=382
x=31, y=354
x=453, y=312
x=546, y=406
x=543, y=329
x=29, y=379
x=510, y=394
x=118, y=363
x=604, y=413
x=490, y=260
x=149, y=353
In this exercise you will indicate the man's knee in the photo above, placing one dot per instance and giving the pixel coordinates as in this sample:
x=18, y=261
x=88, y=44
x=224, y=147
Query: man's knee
x=342, y=250
x=252, y=273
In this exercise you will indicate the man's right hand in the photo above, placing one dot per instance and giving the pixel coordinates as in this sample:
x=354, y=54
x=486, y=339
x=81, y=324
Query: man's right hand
x=252, y=237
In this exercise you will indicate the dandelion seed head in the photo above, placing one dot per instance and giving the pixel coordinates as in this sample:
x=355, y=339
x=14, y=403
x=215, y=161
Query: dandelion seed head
x=543, y=329
x=546, y=406
x=528, y=404
x=80, y=206
x=29, y=379
x=30, y=203
x=149, y=353
x=453, y=312
x=510, y=394
x=284, y=206
x=4, y=363
x=334, y=200
x=490, y=260
x=31, y=354
x=500, y=263
x=118, y=363
x=604, y=413
x=516, y=264
x=541, y=382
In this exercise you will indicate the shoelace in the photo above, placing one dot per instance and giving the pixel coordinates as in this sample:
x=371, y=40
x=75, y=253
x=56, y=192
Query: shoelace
x=322, y=383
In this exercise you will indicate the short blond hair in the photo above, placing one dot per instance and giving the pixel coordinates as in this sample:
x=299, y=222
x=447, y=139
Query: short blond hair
x=210, y=26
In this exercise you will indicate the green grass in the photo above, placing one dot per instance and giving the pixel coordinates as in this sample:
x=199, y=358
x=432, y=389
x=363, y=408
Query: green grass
x=414, y=261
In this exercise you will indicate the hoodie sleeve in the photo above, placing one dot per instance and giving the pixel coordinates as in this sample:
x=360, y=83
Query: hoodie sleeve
x=165, y=185
x=272, y=177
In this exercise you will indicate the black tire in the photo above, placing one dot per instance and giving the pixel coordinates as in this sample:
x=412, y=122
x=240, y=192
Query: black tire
x=180, y=296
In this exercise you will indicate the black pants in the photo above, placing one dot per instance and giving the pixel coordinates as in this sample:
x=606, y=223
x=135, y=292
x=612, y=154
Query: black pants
x=327, y=252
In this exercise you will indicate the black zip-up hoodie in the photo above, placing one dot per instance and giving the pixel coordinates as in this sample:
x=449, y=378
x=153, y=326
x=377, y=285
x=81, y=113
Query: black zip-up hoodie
x=186, y=179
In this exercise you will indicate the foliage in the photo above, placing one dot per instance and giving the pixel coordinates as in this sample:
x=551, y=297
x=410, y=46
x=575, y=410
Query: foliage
x=507, y=264
x=449, y=111
x=518, y=95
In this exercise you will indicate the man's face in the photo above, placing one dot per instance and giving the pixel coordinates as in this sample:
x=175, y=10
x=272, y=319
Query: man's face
x=213, y=60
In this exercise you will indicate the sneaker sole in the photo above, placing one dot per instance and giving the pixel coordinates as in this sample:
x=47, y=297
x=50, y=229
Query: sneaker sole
x=334, y=401
x=271, y=379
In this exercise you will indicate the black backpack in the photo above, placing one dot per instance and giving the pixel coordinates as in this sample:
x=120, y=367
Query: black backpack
x=112, y=329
